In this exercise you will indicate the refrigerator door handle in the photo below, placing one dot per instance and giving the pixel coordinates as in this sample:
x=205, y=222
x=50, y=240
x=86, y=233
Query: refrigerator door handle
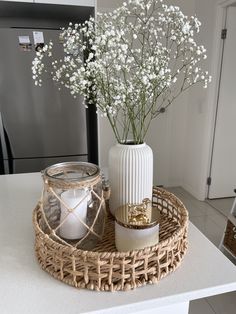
x=4, y=147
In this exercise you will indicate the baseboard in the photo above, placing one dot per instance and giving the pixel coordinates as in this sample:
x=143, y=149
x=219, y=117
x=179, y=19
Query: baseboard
x=196, y=193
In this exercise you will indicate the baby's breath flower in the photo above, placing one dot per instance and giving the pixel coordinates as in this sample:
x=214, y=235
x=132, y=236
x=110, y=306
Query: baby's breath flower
x=131, y=63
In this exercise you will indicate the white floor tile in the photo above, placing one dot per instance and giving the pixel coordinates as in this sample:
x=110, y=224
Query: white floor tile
x=223, y=303
x=189, y=201
x=207, y=219
x=217, y=217
x=212, y=224
x=209, y=228
x=223, y=205
x=195, y=208
x=200, y=307
x=178, y=191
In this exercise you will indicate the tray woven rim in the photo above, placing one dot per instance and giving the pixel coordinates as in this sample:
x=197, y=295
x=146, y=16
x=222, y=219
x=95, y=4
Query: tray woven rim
x=179, y=234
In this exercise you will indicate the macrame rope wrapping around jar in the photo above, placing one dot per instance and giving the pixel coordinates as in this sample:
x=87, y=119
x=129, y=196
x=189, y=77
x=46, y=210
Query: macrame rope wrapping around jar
x=51, y=203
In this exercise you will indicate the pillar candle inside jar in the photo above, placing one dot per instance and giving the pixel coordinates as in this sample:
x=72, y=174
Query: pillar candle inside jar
x=72, y=228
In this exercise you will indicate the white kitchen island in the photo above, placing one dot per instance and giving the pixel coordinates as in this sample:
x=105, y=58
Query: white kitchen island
x=25, y=288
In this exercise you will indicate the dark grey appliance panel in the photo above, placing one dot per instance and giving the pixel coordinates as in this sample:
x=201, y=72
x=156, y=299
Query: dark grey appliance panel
x=38, y=121
x=38, y=164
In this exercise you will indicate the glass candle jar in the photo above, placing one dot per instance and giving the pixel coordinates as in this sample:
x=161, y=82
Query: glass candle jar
x=73, y=206
x=136, y=226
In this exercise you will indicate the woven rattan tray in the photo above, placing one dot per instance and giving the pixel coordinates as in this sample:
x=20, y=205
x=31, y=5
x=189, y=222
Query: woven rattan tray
x=105, y=269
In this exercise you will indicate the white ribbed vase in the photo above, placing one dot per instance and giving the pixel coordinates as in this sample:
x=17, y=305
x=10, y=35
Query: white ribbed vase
x=130, y=174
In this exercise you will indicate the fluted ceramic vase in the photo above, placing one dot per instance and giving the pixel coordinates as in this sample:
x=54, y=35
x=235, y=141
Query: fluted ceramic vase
x=130, y=174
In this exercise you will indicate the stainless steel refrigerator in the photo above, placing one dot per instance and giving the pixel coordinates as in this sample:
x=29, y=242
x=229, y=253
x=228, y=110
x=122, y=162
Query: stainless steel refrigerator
x=39, y=126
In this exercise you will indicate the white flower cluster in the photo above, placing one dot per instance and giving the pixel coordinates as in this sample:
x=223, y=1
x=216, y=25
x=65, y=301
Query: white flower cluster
x=132, y=62
x=38, y=66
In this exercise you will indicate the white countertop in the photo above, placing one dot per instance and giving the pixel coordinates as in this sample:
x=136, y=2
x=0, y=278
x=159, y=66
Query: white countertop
x=25, y=288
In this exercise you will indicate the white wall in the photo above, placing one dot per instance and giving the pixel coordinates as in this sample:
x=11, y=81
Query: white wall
x=180, y=137
x=104, y=5
x=168, y=131
x=200, y=111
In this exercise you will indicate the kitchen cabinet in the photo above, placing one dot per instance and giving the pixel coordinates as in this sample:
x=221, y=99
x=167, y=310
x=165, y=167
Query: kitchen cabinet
x=45, y=13
x=31, y=1
x=82, y=3
x=87, y=3
x=24, y=17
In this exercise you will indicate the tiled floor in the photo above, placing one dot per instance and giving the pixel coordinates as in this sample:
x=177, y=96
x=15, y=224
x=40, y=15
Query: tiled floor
x=212, y=223
x=223, y=205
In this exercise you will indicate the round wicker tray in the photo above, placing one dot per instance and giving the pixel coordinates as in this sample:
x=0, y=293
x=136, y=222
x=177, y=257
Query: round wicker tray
x=105, y=269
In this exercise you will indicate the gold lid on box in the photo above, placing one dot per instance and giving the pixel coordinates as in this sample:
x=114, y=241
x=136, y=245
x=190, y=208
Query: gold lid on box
x=138, y=216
